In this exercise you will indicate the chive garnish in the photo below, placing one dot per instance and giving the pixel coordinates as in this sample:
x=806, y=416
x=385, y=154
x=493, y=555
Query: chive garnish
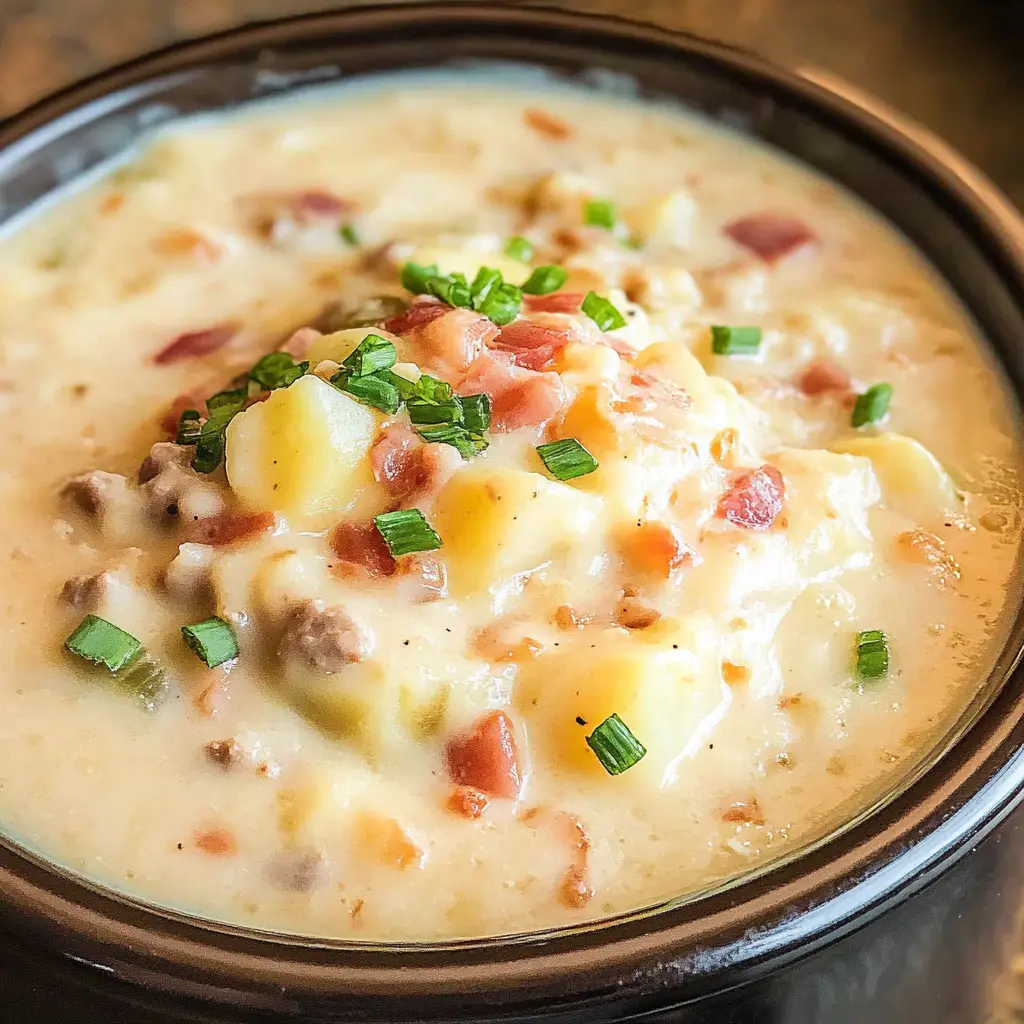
x=735, y=341
x=476, y=413
x=424, y=412
x=370, y=389
x=349, y=235
x=602, y=312
x=501, y=305
x=567, y=459
x=371, y=354
x=189, y=426
x=872, y=405
x=872, y=654
x=615, y=746
x=519, y=248
x=212, y=640
x=468, y=443
x=453, y=289
x=277, y=370
x=103, y=643
x=544, y=280
x=226, y=403
x=209, y=450
x=406, y=532
x=406, y=388
x=489, y=294
x=430, y=389
x=415, y=277
x=600, y=213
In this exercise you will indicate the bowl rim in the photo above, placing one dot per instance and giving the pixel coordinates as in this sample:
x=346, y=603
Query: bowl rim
x=721, y=940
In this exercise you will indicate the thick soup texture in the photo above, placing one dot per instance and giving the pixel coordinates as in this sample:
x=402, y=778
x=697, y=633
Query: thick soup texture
x=446, y=510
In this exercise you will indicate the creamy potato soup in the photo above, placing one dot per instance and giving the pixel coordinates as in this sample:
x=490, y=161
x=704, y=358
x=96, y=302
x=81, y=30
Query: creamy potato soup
x=448, y=509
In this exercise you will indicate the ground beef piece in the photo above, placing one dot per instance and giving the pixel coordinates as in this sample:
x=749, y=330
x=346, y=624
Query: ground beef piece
x=172, y=488
x=326, y=639
x=95, y=492
x=86, y=592
x=226, y=753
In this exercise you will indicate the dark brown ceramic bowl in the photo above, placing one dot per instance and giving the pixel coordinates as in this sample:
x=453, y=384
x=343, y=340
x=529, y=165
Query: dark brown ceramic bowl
x=903, y=916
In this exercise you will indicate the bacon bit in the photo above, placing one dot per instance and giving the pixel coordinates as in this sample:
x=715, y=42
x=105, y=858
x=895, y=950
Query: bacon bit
x=356, y=913
x=423, y=310
x=491, y=644
x=754, y=500
x=574, y=891
x=821, y=377
x=519, y=398
x=485, y=757
x=770, y=236
x=743, y=812
x=735, y=675
x=224, y=753
x=467, y=802
x=567, y=617
x=656, y=548
x=195, y=343
x=317, y=204
x=229, y=527
x=187, y=242
x=531, y=345
x=555, y=302
x=452, y=341
x=792, y=700
x=362, y=551
x=297, y=343
x=547, y=124
x=382, y=838
x=926, y=548
x=169, y=424
x=217, y=842
x=632, y=613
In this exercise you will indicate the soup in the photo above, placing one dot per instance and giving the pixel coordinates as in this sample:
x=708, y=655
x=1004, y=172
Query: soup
x=444, y=509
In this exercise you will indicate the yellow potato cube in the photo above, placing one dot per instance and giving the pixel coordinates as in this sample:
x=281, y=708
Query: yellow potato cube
x=666, y=221
x=905, y=469
x=468, y=261
x=341, y=344
x=496, y=524
x=302, y=452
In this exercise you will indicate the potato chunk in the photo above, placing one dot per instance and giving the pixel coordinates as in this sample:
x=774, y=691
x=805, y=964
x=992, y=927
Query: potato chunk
x=498, y=523
x=468, y=261
x=338, y=346
x=302, y=452
x=667, y=220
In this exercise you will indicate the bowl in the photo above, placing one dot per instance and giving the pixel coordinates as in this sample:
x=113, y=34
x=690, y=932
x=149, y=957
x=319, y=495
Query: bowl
x=905, y=914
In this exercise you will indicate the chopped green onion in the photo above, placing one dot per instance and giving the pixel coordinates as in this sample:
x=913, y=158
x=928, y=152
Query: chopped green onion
x=602, y=312
x=189, y=426
x=502, y=304
x=453, y=289
x=416, y=278
x=406, y=388
x=371, y=354
x=544, y=280
x=103, y=643
x=212, y=640
x=406, y=532
x=209, y=452
x=277, y=370
x=370, y=389
x=600, y=213
x=144, y=680
x=476, y=413
x=349, y=234
x=421, y=412
x=872, y=405
x=486, y=282
x=468, y=443
x=615, y=746
x=567, y=459
x=430, y=389
x=872, y=654
x=519, y=248
x=735, y=341
x=226, y=403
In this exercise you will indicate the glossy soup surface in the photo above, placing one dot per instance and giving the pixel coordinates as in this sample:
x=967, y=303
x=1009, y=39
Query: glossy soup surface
x=404, y=746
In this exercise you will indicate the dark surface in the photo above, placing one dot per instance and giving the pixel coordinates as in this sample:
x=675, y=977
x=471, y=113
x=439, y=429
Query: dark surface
x=917, y=966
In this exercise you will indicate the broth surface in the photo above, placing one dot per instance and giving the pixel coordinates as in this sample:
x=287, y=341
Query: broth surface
x=400, y=750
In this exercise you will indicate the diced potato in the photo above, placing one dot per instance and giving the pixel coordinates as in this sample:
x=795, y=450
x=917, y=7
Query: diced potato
x=589, y=420
x=581, y=363
x=497, y=523
x=468, y=261
x=666, y=221
x=905, y=469
x=381, y=840
x=564, y=193
x=339, y=346
x=302, y=452
x=663, y=693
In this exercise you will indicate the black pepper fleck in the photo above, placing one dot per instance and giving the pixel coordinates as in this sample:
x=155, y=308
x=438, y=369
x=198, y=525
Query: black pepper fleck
x=580, y=721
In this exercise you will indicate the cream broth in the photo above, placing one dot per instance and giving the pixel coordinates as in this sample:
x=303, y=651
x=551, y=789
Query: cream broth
x=400, y=749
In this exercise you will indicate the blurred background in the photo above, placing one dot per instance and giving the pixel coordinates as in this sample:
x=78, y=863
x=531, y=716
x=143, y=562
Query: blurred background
x=955, y=65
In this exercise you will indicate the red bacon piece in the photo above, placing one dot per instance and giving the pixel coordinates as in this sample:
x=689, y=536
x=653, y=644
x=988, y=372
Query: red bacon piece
x=485, y=757
x=450, y=343
x=360, y=548
x=823, y=376
x=230, y=526
x=769, y=236
x=317, y=204
x=519, y=397
x=754, y=500
x=547, y=124
x=195, y=343
x=532, y=346
x=555, y=302
x=421, y=311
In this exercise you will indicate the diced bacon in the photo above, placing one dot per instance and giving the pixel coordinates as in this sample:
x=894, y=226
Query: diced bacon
x=532, y=345
x=451, y=342
x=485, y=757
x=467, y=802
x=169, y=424
x=230, y=526
x=519, y=397
x=218, y=842
x=770, y=236
x=754, y=500
x=317, y=204
x=575, y=890
x=555, y=302
x=360, y=549
x=744, y=812
x=396, y=460
x=821, y=377
x=547, y=124
x=422, y=311
x=195, y=343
